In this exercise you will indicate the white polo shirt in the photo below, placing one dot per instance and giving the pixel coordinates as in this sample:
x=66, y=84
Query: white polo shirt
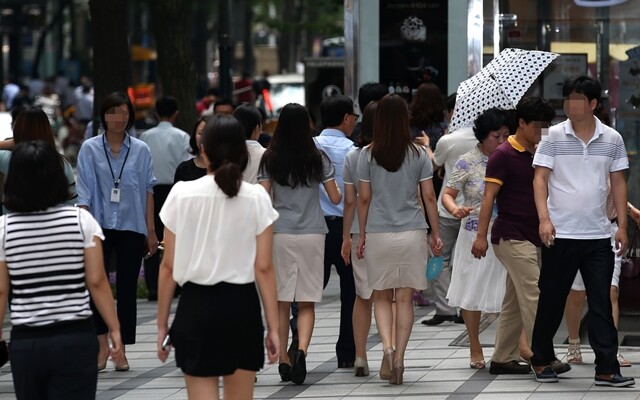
x=578, y=180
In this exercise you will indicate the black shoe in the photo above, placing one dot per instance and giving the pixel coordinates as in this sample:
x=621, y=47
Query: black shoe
x=547, y=375
x=560, y=367
x=458, y=319
x=616, y=380
x=298, y=367
x=285, y=372
x=345, y=364
x=293, y=348
x=438, y=319
x=508, y=368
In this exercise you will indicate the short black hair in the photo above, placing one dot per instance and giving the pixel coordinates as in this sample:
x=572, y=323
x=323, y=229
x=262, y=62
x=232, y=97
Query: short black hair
x=249, y=117
x=192, y=136
x=166, y=106
x=534, y=108
x=36, y=179
x=492, y=120
x=223, y=102
x=334, y=108
x=371, y=91
x=451, y=101
x=116, y=99
x=583, y=85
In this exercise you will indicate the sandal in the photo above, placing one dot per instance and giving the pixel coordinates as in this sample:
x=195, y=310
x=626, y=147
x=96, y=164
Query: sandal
x=479, y=364
x=623, y=361
x=574, y=355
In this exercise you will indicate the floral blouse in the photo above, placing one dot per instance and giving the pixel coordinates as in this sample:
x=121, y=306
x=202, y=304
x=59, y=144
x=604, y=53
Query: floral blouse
x=467, y=177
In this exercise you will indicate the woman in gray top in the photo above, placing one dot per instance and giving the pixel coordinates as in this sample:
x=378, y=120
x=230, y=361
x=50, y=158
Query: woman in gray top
x=291, y=169
x=393, y=225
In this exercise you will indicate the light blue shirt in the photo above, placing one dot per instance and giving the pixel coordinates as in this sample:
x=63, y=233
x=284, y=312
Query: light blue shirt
x=336, y=145
x=95, y=183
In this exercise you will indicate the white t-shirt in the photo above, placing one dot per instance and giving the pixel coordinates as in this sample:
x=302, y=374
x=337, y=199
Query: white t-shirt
x=250, y=173
x=449, y=148
x=215, y=234
x=578, y=183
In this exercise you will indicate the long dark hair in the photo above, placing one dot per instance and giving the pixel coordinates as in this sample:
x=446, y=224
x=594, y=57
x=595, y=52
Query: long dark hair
x=391, y=133
x=292, y=157
x=36, y=179
x=33, y=124
x=224, y=144
x=428, y=106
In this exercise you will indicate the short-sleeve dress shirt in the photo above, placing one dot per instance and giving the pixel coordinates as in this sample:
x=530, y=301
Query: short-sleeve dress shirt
x=394, y=195
x=215, y=234
x=95, y=183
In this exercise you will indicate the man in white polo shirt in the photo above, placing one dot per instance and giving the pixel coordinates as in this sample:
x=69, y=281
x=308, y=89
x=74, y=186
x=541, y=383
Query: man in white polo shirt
x=572, y=164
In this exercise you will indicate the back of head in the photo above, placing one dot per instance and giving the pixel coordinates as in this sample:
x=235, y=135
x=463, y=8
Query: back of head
x=36, y=179
x=224, y=144
x=534, y=108
x=249, y=117
x=292, y=158
x=33, y=124
x=223, y=104
x=391, y=133
x=583, y=85
x=492, y=120
x=366, y=129
x=166, y=106
x=333, y=109
x=427, y=106
x=372, y=91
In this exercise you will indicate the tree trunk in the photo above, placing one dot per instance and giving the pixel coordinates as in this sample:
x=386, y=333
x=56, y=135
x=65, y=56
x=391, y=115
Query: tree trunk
x=202, y=35
x=111, y=59
x=175, y=61
x=285, y=44
x=41, y=41
x=249, y=62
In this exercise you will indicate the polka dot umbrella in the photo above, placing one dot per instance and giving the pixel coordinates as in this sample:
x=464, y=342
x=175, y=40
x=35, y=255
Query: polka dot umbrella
x=501, y=83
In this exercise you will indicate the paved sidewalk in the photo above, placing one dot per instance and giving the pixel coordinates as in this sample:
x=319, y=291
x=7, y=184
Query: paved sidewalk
x=435, y=369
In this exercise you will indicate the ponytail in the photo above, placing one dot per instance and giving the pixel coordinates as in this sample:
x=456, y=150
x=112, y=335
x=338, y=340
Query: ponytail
x=228, y=176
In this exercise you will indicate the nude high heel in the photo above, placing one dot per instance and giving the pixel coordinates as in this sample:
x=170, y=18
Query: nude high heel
x=397, y=372
x=387, y=362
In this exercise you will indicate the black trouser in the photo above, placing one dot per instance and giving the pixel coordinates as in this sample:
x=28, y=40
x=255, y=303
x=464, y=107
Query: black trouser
x=152, y=264
x=128, y=247
x=345, y=347
x=57, y=365
x=560, y=263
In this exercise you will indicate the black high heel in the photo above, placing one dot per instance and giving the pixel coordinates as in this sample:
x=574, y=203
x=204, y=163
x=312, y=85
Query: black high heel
x=285, y=372
x=299, y=367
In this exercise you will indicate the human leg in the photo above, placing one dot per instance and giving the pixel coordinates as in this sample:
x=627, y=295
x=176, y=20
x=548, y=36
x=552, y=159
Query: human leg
x=239, y=385
x=361, y=327
x=98, y=322
x=449, y=228
x=283, y=330
x=383, y=300
x=572, y=316
x=201, y=388
x=306, y=320
x=472, y=322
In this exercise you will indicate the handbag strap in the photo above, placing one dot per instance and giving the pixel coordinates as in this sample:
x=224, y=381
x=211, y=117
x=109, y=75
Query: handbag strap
x=634, y=243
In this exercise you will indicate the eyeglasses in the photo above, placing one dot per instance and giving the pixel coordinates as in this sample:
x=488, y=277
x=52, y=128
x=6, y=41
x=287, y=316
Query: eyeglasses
x=356, y=116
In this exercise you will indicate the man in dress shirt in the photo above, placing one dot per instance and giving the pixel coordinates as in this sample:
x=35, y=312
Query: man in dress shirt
x=339, y=119
x=169, y=147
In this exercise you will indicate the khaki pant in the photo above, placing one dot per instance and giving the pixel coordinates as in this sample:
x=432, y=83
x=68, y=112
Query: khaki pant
x=522, y=261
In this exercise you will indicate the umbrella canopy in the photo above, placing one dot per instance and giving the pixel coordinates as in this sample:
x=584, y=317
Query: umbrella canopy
x=501, y=83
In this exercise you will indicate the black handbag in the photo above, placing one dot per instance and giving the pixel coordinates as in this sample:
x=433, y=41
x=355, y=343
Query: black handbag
x=630, y=267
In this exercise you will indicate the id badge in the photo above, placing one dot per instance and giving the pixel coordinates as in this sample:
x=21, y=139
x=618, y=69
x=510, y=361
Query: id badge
x=115, y=195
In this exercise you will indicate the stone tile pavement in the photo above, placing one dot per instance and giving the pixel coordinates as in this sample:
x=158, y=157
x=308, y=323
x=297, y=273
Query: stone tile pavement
x=435, y=369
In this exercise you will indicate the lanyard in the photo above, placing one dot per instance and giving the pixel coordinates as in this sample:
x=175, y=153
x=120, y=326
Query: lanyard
x=116, y=182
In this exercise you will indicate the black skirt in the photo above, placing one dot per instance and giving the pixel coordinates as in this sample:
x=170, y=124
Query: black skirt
x=218, y=329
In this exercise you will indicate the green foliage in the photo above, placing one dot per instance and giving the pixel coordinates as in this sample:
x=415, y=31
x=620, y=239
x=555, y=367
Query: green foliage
x=318, y=17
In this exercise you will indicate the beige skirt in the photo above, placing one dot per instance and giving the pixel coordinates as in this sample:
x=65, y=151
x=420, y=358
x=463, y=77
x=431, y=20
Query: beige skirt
x=396, y=260
x=360, y=270
x=299, y=266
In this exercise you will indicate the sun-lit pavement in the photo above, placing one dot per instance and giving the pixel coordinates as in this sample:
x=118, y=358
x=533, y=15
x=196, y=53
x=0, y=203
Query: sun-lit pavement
x=435, y=369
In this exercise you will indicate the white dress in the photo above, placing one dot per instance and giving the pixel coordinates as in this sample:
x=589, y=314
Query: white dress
x=476, y=285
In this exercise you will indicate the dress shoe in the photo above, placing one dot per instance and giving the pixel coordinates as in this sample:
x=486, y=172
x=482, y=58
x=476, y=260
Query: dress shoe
x=616, y=380
x=438, y=319
x=544, y=375
x=299, y=367
x=361, y=367
x=559, y=367
x=508, y=368
x=345, y=364
x=285, y=372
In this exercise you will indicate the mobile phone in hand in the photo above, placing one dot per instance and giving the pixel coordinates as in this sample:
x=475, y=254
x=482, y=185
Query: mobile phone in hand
x=166, y=343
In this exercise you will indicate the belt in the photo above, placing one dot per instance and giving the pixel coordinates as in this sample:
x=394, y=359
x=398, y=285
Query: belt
x=332, y=217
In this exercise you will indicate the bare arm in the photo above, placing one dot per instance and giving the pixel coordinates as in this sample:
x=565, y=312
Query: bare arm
x=449, y=202
x=429, y=199
x=152, y=239
x=7, y=144
x=364, y=200
x=350, y=197
x=332, y=191
x=266, y=185
x=266, y=281
x=480, y=245
x=619, y=191
x=540, y=194
x=166, y=288
x=100, y=291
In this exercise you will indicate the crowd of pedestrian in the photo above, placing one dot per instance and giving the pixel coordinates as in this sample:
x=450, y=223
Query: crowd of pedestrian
x=255, y=232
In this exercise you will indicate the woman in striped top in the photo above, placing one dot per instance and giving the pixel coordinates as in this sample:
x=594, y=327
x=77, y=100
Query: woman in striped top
x=51, y=255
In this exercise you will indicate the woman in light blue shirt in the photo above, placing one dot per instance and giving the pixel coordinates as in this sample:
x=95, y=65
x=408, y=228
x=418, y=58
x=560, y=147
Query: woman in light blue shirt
x=115, y=183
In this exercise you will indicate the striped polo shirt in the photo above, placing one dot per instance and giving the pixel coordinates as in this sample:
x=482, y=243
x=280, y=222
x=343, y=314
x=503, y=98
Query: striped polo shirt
x=578, y=180
x=44, y=252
